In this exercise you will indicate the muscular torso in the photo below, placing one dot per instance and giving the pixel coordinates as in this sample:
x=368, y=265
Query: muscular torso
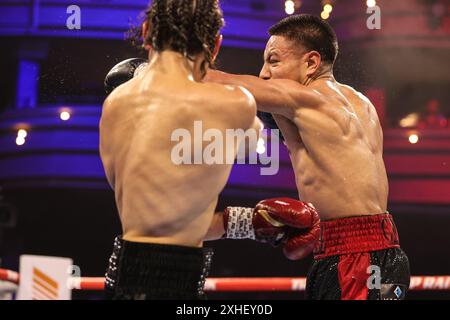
x=336, y=153
x=159, y=201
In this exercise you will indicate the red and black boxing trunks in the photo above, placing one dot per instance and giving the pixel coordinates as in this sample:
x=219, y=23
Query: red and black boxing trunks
x=359, y=258
x=144, y=271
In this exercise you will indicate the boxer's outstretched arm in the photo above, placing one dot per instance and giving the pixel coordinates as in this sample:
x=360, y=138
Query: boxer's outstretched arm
x=279, y=96
x=216, y=229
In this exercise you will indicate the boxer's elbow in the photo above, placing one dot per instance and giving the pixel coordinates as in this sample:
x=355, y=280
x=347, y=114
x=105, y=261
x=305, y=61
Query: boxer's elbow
x=216, y=229
x=254, y=135
x=246, y=109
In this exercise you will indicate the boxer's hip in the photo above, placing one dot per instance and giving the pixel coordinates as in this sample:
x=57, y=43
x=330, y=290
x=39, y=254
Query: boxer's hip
x=141, y=271
x=359, y=258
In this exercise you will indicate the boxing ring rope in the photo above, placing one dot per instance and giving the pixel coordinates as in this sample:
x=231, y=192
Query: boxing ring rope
x=418, y=283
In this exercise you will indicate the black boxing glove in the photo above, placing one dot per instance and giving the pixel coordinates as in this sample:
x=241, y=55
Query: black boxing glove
x=122, y=72
x=269, y=122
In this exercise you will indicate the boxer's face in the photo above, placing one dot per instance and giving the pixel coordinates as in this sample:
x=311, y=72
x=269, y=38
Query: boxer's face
x=284, y=59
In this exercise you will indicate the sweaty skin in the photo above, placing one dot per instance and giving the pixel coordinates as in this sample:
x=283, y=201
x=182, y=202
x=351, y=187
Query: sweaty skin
x=159, y=201
x=332, y=132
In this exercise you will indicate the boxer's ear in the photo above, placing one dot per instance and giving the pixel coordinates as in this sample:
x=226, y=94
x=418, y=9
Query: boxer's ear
x=217, y=46
x=313, y=61
x=145, y=30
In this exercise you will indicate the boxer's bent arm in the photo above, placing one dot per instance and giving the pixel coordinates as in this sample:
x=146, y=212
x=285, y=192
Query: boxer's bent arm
x=279, y=96
x=252, y=145
x=105, y=153
x=216, y=229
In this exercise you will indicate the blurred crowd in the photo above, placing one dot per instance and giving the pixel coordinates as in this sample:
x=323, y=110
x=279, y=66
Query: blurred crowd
x=432, y=117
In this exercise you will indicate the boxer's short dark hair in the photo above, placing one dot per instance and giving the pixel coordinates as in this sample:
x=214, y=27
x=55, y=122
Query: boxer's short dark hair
x=311, y=32
x=186, y=26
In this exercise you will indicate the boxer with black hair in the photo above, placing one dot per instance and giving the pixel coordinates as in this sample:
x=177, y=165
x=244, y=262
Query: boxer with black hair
x=167, y=209
x=335, y=142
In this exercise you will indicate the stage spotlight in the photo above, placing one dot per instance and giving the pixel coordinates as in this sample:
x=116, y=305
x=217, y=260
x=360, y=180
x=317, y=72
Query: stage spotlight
x=20, y=141
x=22, y=133
x=324, y=15
x=328, y=8
x=413, y=138
x=65, y=115
x=371, y=3
x=289, y=6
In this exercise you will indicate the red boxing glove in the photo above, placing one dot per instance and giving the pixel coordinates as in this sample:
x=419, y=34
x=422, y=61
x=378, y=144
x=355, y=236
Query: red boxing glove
x=252, y=223
x=290, y=212
x=300, y=243
x=271, y=221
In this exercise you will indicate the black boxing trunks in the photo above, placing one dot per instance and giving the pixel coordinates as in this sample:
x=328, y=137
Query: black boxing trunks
x=144, y=271
x=359, y=258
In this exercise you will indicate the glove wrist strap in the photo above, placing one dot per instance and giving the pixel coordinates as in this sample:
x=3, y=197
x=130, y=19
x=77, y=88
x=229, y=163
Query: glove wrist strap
x=240, y=223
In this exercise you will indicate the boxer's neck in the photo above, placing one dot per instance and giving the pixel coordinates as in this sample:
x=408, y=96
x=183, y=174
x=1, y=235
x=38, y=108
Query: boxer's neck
x=326, y=75
x=176, y=64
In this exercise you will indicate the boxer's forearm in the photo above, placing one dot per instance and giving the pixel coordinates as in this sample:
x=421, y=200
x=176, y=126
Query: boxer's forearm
x=279, y=96
x=216, y=229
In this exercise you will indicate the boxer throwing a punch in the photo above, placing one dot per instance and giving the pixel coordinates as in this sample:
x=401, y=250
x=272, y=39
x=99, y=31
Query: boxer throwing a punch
x=166, y=209
x=335, y=143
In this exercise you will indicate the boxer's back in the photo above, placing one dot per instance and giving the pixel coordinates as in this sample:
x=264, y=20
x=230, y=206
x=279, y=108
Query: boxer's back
x=338, y=162
x=159, y=200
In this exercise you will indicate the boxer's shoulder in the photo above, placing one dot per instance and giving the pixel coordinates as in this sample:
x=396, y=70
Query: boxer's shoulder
x=230, y=93
x=232, y=101
x=120, y=93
